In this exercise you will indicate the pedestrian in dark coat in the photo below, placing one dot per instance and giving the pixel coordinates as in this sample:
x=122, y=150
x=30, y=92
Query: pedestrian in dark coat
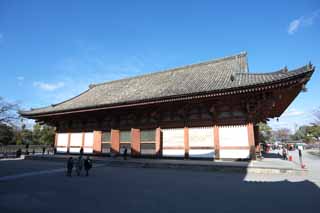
x=43, y=150
x=87, y=165
x=125, y=151
x=81, y=151
x=79, y=165
x=300, y=157
x=18, y=153
x=69, y=166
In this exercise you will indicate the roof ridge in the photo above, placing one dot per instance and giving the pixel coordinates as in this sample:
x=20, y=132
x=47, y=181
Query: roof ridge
x=283, y=70
x=239, y=55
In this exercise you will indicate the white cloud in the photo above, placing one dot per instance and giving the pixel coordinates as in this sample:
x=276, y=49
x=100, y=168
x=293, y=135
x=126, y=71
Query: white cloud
x=20, y=78
x=293, y=26
x=48, y=86
x=293, y=113
x=303, y=21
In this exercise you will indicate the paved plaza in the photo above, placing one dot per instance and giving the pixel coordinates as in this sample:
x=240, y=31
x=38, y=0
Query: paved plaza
x=41, y=186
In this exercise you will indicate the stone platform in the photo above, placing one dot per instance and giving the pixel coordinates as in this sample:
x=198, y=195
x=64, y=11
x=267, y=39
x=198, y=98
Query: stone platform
x=264, y=166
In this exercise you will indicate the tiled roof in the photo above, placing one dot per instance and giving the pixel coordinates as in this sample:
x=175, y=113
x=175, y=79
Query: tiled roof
x=212, y=76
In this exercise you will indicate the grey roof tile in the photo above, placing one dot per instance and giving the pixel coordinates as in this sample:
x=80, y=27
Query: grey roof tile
x=204, y=77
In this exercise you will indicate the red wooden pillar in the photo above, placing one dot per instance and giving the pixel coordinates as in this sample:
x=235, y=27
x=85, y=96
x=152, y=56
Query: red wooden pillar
x=97, y=141
x=135, y=142
x=83, y=137
x=256, y=138
x=216, y=142
x=115, y=141
x=55, y=139
x=158, y=141
x=69, y=139
x=186, y=142
x=251, y=141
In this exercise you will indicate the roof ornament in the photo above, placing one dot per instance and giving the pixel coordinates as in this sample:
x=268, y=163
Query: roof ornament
x=304, y=88
x=91, y=86
x=285, y=69
x=310, y=65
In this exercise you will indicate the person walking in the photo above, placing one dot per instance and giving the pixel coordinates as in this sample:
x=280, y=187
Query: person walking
x=284, y=153
x=87, y=165
x=79, y=165
x=43, y=150
x=69, y=166
x=125, y=151
x=300, y=157
x=81, y=151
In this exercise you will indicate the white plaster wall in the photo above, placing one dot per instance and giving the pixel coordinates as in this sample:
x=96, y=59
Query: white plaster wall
x=201, y=153
x=87, y=150
x=62, y=149
x=74, y=149
x=76, y=139
x=203, y=136
x=88, y=139
x=234, y=153
x=173, y=137
x=233, y=136
x=62, y=139
x=173, y=152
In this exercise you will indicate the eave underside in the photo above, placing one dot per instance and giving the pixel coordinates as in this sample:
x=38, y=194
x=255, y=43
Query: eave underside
x=231, y=109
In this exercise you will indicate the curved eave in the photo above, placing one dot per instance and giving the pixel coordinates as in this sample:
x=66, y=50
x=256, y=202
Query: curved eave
x=302, y=78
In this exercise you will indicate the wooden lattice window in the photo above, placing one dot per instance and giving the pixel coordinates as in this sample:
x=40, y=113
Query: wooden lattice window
x=106, y=137
x=125, y=136
x=148, y=135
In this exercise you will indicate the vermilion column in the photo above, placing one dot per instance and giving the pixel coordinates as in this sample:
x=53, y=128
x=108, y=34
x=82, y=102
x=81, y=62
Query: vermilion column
x=251, y=141
x=83, y=136
x=216, y=142
x=69, y=138
x=55, y=139
x=256, y=138
x=115, y=141
x=97, y=141
x=186, y=142
x=135, y=142
x=158, y=141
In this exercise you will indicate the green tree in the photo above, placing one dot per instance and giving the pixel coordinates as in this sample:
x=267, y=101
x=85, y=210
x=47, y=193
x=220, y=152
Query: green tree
x=43, y=134
x=47, y=135
x=6, y=134
x=265, y=133
x=307, y=133
x=36, y=134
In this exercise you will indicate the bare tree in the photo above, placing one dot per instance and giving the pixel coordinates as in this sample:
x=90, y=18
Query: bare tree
x=282, y=134
x=316, y=114
x=8, y=112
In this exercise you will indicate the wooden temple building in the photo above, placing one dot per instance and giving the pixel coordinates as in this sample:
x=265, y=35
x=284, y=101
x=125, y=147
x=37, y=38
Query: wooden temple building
x=204, y=110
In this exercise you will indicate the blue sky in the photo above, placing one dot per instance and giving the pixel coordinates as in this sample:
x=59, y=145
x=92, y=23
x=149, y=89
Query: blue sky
x=52, y=50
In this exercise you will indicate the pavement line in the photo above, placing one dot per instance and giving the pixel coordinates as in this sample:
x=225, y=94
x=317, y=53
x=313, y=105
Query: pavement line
x=28, y=174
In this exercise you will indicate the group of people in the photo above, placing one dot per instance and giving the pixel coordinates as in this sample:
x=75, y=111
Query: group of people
x=285, y=154
x=79, y=163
